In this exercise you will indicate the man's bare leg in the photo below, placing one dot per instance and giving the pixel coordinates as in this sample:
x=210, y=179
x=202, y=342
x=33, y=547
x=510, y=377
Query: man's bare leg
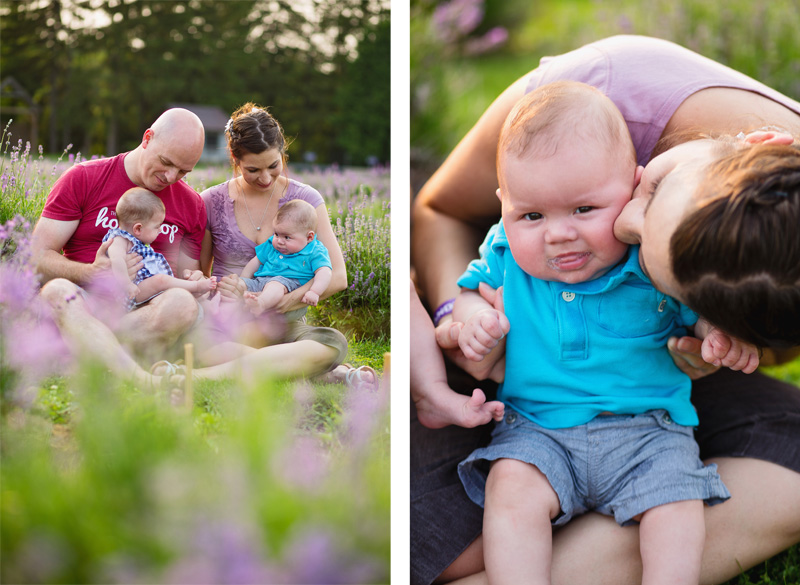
x=153, y=329
x=86, y=335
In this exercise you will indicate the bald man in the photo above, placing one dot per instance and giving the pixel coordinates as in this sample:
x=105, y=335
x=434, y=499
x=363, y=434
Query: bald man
x=69, y=252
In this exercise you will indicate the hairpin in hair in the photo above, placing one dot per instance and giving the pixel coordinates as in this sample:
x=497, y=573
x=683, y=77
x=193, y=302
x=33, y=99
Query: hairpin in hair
x=228, y=125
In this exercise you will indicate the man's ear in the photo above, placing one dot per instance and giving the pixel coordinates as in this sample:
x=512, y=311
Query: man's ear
x=148, y=136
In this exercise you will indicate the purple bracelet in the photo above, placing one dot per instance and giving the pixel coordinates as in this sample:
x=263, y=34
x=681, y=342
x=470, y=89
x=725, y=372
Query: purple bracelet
x=444, y=309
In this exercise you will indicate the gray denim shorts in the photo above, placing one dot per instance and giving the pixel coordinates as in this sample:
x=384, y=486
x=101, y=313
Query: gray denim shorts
x=258, y=283
x=618, y=465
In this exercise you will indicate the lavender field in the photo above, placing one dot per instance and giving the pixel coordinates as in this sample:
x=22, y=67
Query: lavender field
x=260, y=482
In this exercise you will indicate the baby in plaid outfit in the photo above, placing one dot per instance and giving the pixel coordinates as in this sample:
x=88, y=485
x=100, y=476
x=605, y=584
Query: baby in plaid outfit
x=140, y=214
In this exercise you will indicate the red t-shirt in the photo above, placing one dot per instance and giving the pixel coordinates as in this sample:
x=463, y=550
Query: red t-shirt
x=89, y=192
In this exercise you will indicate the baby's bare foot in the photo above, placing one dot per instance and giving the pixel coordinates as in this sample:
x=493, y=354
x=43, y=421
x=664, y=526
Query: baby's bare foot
x=451, y=408
x=251, y=302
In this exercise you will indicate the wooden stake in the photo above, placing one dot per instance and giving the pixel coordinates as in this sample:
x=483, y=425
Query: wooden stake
x=188, y=359
x=387, y=371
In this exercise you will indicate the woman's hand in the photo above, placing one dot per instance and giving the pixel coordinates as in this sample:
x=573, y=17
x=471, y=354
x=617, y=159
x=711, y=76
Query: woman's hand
x=231, y=287
x=686, y=353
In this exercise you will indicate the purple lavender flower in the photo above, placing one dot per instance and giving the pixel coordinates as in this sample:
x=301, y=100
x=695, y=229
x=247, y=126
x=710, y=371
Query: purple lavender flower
x=457, y=18
x=315, y=558
x=222, y=552
x=303, y=464
x=488, y=42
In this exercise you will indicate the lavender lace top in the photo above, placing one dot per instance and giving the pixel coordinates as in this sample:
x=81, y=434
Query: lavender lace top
x=232, y=250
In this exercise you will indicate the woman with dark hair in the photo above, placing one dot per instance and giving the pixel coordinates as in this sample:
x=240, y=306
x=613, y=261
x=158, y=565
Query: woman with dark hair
x=240, y=217
x=717, y=224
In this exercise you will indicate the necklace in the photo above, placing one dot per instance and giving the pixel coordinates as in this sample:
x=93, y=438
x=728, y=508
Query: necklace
x=263, y=215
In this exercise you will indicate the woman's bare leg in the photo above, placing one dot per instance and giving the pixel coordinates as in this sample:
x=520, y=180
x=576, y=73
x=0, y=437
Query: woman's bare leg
x=761, y=519
x=303, y=358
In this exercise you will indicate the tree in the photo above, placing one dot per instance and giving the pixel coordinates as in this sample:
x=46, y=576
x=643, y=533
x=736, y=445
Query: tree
x=364, y=99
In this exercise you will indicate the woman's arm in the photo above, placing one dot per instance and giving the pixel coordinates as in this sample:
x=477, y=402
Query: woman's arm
x=457, y=205
x=207, y=254
x=328, y=238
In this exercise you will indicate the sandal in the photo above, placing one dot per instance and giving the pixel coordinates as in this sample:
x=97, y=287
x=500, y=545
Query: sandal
x=173, y=378
x=354, y=377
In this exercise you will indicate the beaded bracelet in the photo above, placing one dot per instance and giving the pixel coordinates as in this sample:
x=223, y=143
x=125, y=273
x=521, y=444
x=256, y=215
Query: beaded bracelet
x=444, y=309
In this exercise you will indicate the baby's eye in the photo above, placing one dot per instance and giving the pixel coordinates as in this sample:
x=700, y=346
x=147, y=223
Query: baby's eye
x=584, y=209
x=532, y=216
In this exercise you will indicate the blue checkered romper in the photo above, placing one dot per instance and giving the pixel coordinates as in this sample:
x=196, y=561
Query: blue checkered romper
x=154, y=263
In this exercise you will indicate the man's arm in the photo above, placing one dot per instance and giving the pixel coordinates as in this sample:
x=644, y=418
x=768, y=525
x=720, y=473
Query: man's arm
x=49, y=238
x=186, y=262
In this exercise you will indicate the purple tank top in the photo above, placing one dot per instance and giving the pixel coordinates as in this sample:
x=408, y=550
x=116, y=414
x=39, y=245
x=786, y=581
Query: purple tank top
x=232, y=249
x=647, y=79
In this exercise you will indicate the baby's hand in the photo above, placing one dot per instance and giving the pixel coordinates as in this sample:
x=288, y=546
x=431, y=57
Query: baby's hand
x=311, y=298
x=721, y=349
x=481, y=333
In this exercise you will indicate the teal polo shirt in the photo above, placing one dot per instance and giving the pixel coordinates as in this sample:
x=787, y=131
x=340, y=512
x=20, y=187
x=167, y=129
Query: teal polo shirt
x=575, y=351
x=301, y=265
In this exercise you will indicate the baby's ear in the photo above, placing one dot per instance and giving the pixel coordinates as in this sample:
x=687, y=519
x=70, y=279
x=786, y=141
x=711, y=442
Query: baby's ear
x=137, y=229
x=310, y=236
x=499, y=194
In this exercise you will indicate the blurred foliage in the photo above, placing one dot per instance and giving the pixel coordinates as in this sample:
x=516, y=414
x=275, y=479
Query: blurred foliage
x=289, y=485
x=450, y=90
x=100, y=71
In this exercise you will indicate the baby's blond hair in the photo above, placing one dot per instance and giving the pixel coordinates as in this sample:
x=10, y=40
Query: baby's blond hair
x=550, y=114
x=138, y=205
x=298, y=212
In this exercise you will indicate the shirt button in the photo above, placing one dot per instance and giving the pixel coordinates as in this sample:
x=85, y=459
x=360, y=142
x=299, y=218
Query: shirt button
x=511, y=418
x=667, y=419
x=568, y=296
x=280, y=256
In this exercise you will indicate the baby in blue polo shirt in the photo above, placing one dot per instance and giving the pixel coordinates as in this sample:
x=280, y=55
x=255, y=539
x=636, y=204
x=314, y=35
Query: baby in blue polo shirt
x=597, y=415
x=288, y=259
x=140, y=214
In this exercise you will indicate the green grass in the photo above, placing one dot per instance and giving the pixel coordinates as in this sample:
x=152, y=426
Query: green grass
x=102, y=482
